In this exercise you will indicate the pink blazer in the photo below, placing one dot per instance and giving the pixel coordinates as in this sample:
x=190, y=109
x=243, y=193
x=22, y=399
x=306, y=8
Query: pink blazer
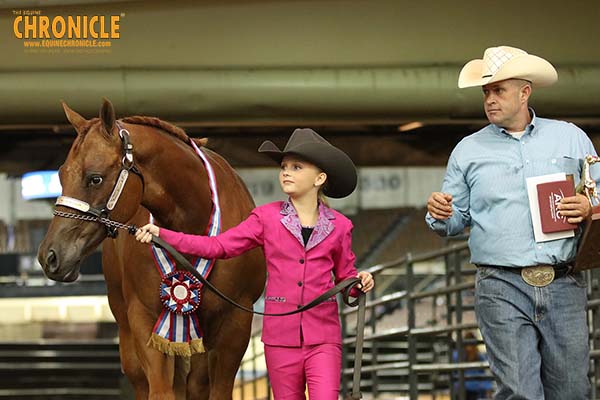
x=296, y=274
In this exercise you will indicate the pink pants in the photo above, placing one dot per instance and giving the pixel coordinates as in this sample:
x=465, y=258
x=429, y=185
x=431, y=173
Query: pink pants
x=292, y=368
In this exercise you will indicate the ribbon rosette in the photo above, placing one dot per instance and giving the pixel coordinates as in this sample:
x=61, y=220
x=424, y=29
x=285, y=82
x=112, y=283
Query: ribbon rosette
x=180, y=292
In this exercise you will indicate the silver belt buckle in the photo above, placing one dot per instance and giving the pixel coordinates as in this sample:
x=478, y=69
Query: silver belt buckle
x=538, y=276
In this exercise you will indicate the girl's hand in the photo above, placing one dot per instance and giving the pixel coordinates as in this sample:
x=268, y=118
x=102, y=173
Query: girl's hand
x=144, y=234
x=366, y=279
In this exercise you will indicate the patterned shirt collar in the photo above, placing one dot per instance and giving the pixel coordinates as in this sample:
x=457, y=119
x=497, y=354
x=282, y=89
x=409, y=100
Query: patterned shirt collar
x=321, y=230
x=287, y=208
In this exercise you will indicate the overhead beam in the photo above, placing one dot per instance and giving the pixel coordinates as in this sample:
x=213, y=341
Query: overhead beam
x=277, y=95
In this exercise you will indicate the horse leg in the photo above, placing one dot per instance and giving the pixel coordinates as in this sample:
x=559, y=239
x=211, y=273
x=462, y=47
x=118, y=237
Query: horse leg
x=131, y=364
x=127, y=351
x=227, y=349
x=182, y=371
x=198, y=384
x=158, y=367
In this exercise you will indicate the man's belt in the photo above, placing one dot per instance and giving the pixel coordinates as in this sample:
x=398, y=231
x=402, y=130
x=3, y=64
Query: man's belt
x=538, y=275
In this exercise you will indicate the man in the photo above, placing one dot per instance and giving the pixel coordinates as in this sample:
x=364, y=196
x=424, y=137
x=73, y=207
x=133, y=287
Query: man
x=536, y=336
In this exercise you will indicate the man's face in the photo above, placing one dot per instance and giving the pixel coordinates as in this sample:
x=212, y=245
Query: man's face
x=504, y=100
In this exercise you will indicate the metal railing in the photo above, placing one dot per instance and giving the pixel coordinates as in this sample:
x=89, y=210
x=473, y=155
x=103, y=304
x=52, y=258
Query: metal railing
x=408, y=331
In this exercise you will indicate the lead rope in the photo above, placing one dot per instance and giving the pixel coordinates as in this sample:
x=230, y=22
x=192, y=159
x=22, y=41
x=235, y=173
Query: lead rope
x=358, y=348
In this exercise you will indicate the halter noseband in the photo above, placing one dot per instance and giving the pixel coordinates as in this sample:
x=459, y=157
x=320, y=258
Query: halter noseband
x=102, y=214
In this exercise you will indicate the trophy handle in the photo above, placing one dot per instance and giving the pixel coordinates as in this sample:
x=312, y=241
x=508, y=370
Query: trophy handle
x=588, y=253
x=587, y=184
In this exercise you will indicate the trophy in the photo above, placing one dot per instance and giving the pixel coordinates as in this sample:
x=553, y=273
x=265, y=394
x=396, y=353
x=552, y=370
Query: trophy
x=589, y=245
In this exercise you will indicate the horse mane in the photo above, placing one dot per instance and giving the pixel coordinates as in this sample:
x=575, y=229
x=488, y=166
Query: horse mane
x=165, y=126
x=158, y=123
x=154, y=122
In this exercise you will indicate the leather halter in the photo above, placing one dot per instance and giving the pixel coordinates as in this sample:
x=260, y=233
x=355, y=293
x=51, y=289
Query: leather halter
x=102, y=214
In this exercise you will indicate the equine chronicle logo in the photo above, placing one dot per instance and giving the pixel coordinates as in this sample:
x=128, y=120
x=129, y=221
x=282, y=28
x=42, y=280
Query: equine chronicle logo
x=70, y=33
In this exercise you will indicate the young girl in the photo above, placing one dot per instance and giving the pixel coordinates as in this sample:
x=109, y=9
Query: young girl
x=304, y=243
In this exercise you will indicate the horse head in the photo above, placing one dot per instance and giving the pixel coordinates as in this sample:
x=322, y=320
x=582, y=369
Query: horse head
x=90, y=177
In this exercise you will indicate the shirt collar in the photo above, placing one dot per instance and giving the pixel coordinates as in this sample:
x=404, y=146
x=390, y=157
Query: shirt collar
x=287, y=208
x=530, y=128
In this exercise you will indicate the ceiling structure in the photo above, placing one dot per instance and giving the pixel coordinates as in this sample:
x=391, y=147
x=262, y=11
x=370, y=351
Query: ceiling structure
x=238, y=72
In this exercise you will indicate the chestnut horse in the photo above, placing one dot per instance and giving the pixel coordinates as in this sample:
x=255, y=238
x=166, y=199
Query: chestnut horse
x=171, y=183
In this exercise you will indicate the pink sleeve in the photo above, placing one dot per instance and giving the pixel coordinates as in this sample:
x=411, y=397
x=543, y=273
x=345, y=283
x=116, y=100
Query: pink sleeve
x=344, y=264
x=231, y=243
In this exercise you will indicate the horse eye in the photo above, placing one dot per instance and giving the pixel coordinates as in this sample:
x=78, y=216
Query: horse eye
x=95, y=180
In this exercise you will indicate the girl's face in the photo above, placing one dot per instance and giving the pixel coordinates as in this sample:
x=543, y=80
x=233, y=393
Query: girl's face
x=298, y=177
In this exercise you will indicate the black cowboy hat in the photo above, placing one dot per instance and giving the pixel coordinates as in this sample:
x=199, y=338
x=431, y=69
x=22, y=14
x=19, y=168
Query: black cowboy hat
x=309, y=145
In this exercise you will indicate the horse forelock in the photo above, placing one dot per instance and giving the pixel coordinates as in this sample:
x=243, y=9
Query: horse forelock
x=89, y=125
x=82, y=132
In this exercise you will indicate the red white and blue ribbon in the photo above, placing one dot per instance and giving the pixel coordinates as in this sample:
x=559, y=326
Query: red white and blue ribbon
x=178, y=331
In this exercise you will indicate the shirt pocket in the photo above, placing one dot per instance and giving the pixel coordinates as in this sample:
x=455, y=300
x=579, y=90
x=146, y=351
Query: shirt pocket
x=275, y=299
x=554, y=165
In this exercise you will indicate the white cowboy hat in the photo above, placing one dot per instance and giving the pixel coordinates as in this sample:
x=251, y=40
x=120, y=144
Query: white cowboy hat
x=504, y=62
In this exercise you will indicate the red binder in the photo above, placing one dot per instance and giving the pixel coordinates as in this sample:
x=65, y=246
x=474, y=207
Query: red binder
x=549, y=196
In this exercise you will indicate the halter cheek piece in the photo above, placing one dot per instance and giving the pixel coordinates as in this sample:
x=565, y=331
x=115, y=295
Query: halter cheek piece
x=102, y=214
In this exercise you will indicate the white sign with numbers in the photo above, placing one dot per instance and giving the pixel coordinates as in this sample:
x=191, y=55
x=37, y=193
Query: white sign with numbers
x=378, y=187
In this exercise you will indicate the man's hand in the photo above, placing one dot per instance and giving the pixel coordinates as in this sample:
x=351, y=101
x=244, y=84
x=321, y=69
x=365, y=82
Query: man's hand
x=576, y=208
x=439, y=205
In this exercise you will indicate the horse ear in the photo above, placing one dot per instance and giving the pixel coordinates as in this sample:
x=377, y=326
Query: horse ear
x=107, y=116
x=75, y=119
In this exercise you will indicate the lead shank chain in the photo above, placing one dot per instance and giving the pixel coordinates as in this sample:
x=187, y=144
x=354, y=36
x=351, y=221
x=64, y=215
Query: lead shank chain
x=102, y=220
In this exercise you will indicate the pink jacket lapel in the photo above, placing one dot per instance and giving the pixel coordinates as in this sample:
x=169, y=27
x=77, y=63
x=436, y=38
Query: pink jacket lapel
x=322, y=229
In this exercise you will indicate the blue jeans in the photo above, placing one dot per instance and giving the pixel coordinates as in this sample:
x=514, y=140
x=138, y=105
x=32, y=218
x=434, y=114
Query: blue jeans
x=536, y=338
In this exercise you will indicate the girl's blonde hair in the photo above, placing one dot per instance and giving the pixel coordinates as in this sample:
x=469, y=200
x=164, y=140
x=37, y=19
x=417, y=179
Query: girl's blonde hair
x=321, y=196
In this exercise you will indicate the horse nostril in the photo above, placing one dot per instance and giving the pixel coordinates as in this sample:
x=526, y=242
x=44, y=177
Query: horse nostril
x=52, y=261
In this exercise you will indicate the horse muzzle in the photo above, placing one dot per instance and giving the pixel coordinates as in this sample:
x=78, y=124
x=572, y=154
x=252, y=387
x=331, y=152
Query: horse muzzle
x=57, y=266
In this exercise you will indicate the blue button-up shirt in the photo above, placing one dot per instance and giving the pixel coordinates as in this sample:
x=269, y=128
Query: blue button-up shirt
x=486, y=176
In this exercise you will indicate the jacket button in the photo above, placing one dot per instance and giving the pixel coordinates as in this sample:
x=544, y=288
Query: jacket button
x=299, y=283
x=301, y=261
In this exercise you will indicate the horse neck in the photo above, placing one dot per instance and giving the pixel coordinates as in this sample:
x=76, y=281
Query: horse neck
x=177, y=191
